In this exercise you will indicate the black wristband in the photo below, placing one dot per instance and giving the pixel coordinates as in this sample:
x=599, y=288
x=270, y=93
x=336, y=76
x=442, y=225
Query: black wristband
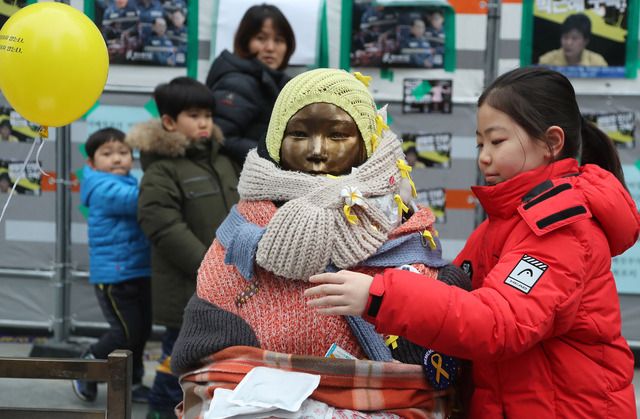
x=374, y=307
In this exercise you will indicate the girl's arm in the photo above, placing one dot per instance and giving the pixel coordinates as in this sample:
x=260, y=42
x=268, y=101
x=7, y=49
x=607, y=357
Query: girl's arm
x=497, y=320
x=343, y=293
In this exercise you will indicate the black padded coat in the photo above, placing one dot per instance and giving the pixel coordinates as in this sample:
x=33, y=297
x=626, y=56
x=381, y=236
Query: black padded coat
x=245, y=92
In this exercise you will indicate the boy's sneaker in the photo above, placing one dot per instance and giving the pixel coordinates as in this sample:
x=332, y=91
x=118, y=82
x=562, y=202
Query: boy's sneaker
x=86, y=390
x=140, y=393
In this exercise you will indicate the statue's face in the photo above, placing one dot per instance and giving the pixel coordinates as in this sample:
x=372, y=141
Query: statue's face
x=321, y=139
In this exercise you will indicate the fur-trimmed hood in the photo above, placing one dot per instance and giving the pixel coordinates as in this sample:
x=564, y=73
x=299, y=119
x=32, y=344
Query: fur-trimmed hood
x=151, y=138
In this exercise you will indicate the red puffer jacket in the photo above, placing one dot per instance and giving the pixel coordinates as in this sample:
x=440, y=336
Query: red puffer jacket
x=542, y=325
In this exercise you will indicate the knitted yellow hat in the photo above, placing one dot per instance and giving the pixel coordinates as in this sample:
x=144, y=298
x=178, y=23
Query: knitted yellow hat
x=323, y=85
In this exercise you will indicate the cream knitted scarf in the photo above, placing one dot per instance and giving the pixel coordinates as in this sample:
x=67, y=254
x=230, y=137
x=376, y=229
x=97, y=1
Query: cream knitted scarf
x=311, y=229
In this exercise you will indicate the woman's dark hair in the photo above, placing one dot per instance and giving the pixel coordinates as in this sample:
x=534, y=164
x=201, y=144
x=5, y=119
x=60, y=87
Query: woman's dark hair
x=251, y=25
x=537, y=98
x=579, y=22
x=105, y=135
x=180, y=94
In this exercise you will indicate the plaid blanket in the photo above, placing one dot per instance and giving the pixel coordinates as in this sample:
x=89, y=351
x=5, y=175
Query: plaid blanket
x=352, y=385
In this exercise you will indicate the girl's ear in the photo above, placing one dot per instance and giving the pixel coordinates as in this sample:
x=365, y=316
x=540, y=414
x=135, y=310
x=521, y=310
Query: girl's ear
x=555, y=137
x=168, y=122
x=90, y=163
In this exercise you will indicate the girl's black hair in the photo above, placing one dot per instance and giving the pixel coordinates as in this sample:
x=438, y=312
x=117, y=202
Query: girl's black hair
x=251, y=25
x=180, y=94
x=105, y=135
x=537, y=98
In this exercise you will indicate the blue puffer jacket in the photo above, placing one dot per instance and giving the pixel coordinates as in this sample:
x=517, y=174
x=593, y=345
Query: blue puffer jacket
x=118, y=249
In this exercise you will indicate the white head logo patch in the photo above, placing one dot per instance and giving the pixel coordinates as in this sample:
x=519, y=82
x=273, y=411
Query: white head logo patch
x=526, y=273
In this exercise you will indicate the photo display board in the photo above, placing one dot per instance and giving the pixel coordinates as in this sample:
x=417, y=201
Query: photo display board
x=145, y=32
x=581, y=39
x=389, y=34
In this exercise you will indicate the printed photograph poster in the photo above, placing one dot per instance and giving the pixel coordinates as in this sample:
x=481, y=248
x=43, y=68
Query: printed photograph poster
x=399, y=36
x=147, y=32
x=581, y=39
x=434, y=199
x=9, y=7
x=426, y=96
x=620, y=126
x=29, y=183
x=14, y=128
x=426, y=149
x=626, y=267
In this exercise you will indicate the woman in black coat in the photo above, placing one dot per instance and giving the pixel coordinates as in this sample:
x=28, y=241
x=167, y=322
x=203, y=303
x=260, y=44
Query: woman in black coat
x=247, y=82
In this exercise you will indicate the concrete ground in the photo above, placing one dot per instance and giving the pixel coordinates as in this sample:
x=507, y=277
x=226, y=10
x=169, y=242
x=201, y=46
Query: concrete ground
x=59, y=393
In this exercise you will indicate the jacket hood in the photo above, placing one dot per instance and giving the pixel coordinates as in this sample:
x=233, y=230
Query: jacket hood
x=611, y=205
x=151, y=138
x=597, y=190
x=228, y=62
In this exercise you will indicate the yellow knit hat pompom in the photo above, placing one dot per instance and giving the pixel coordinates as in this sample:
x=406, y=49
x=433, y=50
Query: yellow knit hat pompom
x=322, y=85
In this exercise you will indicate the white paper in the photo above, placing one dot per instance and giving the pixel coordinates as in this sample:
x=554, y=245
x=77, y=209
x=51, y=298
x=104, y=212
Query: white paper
x=262, y=393
x=269, y=387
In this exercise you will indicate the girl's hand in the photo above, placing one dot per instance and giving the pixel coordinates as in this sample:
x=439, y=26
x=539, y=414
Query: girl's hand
x=343, y=293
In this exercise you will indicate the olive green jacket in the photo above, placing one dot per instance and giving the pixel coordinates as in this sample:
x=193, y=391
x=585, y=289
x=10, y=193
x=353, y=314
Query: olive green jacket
x=186, y=191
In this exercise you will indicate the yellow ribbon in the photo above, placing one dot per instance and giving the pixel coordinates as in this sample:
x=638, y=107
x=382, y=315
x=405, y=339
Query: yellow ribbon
x=438, y=365
x=364, y=79
x=350, y=217
x=432, y=243
x=391, y=340
x=374, y=142
x=405, y=169
x=44, y=132
x=380, y=125
x=401, y=206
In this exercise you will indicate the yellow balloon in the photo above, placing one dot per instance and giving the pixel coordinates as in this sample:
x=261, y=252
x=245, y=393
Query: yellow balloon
x=53, y=63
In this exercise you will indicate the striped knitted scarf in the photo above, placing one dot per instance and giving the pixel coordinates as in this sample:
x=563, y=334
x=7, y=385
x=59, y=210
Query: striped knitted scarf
x=310, y=229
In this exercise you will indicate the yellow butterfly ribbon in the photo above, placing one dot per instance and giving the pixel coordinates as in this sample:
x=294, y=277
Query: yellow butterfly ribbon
x=401, y=206
x=380, y=125
x=374, y=142
x=405, y=169
x=436, y=361
x=364, y=79
x=350, y=217
x=391, y=340
x=432, y=243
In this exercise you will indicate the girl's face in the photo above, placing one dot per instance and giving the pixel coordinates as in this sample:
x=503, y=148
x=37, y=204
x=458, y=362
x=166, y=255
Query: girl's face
x=505, y=149
x=321, y=138
x=268, y=45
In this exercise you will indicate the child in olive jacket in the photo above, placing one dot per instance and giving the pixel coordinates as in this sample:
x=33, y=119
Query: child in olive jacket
x=187, y=190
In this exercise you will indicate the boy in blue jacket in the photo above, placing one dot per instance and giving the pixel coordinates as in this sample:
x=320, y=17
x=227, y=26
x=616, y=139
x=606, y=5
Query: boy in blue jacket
x=119, y=256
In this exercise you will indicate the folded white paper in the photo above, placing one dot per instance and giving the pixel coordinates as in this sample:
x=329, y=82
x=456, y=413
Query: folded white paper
x=264, y=392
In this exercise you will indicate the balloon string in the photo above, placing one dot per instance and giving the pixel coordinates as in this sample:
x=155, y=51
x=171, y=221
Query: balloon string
x=38, y=157
x=22, y=170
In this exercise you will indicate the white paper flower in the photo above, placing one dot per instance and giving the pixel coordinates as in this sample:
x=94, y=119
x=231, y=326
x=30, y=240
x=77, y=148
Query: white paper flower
x=352, y=196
